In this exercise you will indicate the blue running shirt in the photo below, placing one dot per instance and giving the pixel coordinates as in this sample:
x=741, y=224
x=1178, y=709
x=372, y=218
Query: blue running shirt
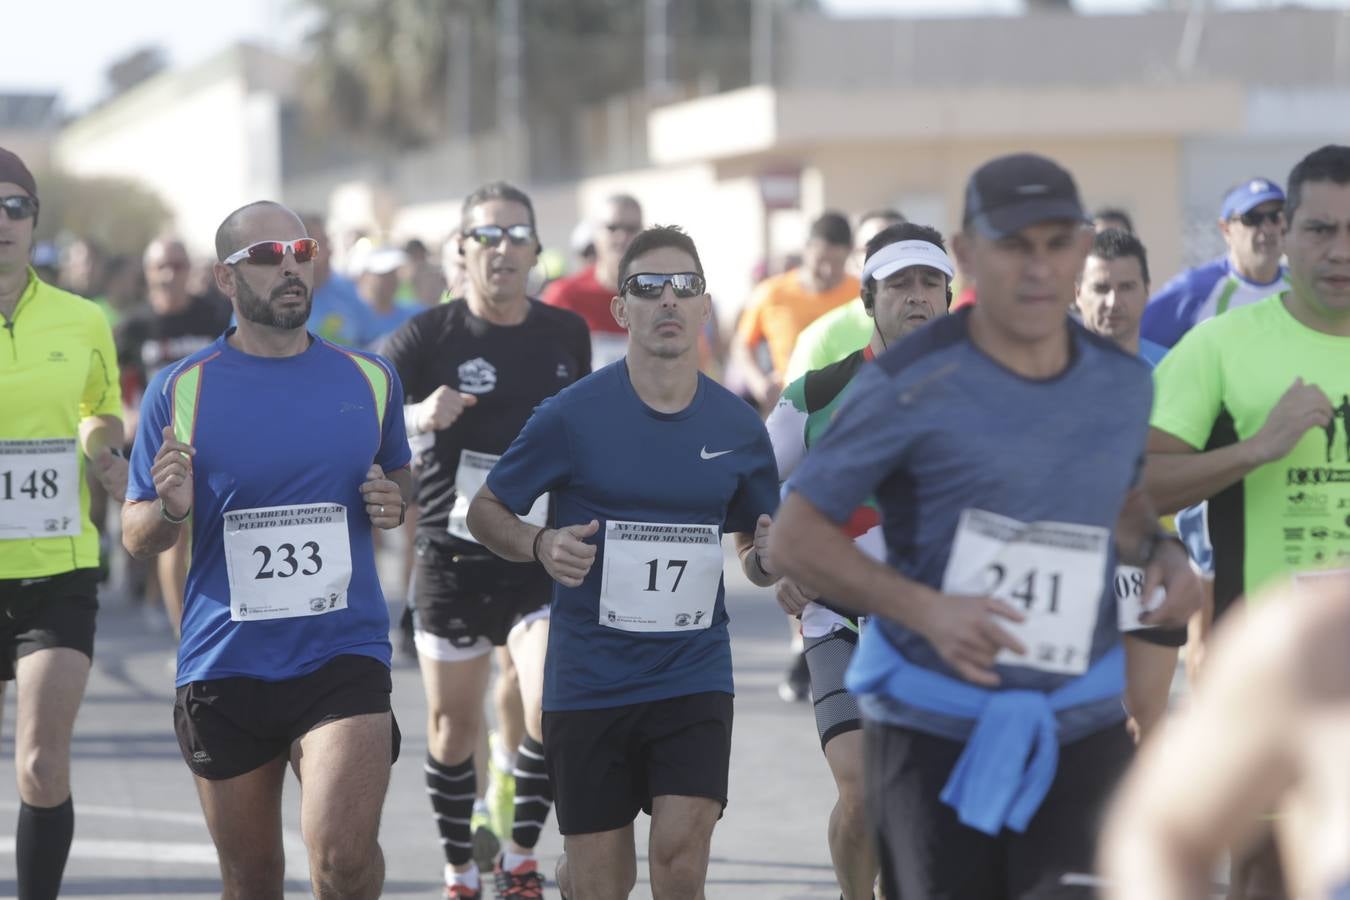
x=935, y=428
x=668, y=485
x=297, y=431
x=1199, y=294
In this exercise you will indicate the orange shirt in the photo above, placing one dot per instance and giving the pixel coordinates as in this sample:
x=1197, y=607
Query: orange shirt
x=781, y=307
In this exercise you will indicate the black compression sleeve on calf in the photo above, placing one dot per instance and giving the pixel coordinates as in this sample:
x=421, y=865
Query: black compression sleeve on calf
x=452, y=790
x=534, y=793
x=42, y=845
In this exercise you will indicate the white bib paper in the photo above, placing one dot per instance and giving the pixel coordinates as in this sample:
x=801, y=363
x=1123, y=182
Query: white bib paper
x=470, y=475
x=1129, y=585
x=1049, y=571
x=287, y=561
x=39, y=488
x=660, y=577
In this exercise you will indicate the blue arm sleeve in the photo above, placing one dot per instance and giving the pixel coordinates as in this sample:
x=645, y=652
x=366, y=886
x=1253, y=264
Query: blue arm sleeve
x=539, y=460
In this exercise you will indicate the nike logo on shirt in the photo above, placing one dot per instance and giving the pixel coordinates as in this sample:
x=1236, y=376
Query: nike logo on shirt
x=704, y=454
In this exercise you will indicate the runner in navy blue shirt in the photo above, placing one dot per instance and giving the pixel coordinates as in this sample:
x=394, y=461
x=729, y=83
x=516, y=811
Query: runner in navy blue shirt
x=992, y=675
x=649, y=464
x=280, y=452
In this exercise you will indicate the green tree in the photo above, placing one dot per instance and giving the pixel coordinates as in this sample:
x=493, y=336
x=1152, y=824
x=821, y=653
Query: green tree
x=386, y=69
x=120, y=214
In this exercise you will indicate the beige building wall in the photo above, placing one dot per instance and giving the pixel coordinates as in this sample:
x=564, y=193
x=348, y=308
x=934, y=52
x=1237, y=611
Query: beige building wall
x=207, y=140
x=1142, y=175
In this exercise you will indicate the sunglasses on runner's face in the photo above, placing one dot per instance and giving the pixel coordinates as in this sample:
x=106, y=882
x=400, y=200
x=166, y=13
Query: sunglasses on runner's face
x=649, y=285
x=1255, y=219
x=491, y=235
x=19, y=206
x=270, y=253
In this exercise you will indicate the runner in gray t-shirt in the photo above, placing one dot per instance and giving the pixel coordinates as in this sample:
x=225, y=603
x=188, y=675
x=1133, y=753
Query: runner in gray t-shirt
x=1004, y=446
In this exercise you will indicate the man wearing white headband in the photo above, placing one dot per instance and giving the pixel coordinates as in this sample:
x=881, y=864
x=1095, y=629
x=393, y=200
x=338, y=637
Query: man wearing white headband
x=906, y=281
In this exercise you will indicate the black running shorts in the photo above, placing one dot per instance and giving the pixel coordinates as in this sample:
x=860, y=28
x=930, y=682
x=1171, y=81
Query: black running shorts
x=42, y=613
x=463, y=592
x=606, y=764
x=230, y=726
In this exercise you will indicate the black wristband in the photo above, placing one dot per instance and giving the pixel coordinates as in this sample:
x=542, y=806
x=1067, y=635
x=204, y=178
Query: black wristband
x=534, y=550
x=402, y=512
x=164, y=514
x=759, y=565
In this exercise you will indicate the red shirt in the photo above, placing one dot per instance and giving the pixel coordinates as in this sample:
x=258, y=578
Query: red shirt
x=586, y=297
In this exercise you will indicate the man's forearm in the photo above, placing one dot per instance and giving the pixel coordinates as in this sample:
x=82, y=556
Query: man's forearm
x=499, y=529
x=145, y=532
x=1136, y=522
x=1175, y=481
x=754, y=568
x=813, y=551
x=97, y=432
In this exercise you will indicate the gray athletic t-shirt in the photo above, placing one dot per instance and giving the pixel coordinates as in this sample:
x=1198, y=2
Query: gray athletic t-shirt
x=935, y=427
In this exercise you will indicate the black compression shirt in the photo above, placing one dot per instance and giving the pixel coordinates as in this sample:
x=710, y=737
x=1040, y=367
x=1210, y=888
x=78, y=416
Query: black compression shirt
x=510, y=369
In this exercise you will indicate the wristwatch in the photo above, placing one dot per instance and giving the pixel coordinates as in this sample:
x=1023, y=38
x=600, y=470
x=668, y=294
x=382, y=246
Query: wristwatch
x=1148, y=547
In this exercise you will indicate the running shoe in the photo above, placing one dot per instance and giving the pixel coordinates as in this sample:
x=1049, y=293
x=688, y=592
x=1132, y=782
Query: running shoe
x=521, y=883
x=486, y=844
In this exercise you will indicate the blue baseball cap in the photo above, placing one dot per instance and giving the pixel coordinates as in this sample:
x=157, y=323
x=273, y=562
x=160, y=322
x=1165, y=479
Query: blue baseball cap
x=1249, y=195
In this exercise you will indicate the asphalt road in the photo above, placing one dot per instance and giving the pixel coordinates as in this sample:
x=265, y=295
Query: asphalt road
x=140, y=834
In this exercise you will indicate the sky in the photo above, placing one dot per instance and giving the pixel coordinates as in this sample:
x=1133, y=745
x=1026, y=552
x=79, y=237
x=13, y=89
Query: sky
x=69, y=44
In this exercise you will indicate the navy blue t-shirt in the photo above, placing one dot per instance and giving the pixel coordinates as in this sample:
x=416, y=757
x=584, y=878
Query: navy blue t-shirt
x=608, y=456
x=936, y=427
x=281, y=442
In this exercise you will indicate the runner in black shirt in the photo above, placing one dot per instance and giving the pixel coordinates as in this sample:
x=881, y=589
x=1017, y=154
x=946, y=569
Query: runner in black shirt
x=473, y=371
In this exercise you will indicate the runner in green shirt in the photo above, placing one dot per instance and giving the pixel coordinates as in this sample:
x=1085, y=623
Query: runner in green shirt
x=1246, y=416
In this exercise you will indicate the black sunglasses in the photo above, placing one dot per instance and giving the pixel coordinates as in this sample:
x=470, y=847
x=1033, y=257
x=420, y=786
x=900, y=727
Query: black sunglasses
x=491, y=235
x=649, y=285
x=1254, y=219
x=19, y=207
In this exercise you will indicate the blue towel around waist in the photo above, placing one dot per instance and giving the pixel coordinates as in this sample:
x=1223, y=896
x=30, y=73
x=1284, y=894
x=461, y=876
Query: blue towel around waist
x=1009, y=762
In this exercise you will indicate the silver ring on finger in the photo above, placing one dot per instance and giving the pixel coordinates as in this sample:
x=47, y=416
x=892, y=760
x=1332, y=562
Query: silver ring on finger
x=381, y=509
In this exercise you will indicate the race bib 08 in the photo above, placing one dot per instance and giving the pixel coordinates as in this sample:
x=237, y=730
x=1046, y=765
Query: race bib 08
x=287, y=561
x=1051, y=572
x=1129, y=585
x=470, y=475
x=659, y=577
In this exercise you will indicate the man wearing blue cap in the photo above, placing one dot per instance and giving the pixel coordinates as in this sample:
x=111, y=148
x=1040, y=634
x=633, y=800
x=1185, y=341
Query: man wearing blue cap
x=1252, y=224
x=990, y=679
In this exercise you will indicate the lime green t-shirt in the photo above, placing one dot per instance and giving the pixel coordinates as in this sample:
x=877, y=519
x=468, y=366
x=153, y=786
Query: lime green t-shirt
x=830, y=338
x=57, y=368
x=1216, y=387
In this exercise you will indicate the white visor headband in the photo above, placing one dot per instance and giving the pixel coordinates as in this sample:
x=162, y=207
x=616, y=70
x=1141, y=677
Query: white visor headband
x=903, y=254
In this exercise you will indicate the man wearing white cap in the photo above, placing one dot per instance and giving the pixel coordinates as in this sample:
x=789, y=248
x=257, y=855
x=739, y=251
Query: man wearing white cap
x=906, y=281
x=378, y=286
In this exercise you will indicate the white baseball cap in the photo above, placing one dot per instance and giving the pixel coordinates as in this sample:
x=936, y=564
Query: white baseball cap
x=904, y=254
